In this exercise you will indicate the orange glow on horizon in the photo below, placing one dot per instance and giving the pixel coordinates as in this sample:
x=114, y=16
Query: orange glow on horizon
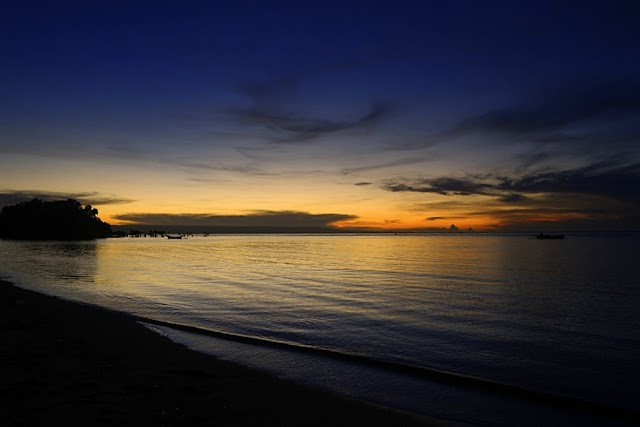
x=381, y=213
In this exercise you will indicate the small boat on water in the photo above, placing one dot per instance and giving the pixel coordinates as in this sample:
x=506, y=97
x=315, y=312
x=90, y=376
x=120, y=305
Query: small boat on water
x=543, y=236
x=174, y=237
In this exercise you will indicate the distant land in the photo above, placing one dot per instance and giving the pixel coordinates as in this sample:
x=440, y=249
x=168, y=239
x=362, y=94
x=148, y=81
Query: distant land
x=213, y=229
x=199, y=229
x=52, y=220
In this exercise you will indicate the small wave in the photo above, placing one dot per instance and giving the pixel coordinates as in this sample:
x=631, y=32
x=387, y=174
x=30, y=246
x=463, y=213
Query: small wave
x=436, y=375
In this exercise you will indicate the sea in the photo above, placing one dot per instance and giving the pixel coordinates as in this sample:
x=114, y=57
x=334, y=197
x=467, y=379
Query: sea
x=470, y=328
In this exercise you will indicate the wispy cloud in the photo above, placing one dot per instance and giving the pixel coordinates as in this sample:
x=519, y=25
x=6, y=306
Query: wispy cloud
x=558, y=109
x=389, y=164
x=439, y=218
x=607, y=178
x=292, y=128
x=214, y=166
x=582, y=113
x=621, y=182
x=442, y=185
x=11, y=197
x=268, y=100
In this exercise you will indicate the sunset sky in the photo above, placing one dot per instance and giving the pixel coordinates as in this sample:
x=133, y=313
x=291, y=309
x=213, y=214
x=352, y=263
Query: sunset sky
x=495, y=115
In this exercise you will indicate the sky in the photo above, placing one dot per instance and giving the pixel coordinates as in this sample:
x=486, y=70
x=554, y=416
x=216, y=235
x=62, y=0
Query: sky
x=390, y=115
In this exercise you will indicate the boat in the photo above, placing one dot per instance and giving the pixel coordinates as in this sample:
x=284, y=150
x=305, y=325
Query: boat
x=543, y=236
x=174, y=237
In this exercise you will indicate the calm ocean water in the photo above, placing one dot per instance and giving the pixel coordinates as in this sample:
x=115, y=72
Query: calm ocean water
x=558, y=318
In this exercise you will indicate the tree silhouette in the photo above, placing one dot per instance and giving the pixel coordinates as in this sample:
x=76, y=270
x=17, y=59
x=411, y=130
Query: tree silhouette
x=54, y=220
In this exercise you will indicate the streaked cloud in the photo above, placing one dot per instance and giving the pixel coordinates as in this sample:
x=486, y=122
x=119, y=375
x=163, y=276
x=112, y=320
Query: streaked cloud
x=287, y=128
x=559, y=108
x=584, y=113
x=442, y=185
x=440, y=218
x=609, y=179
x=389, y=164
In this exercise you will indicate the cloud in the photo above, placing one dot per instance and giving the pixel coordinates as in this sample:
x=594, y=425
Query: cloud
x=605, y=179
x=89, y=198
x=561, y=108
x=439, y=218
x=239, y=169
x=254, y=219
x=268, y=100
x=512, y=198
x=443, y=185
x=273, y=91
x=586, y=113
x=399, y=162
x=602, y=195
x=269, y=91
x=363, y=184
x=608, y=178
x=292, y=128
x=566, y=212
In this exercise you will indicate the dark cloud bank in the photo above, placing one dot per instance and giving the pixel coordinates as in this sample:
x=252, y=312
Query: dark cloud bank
x=606, y=195
x=256, y=222
x=604, y=179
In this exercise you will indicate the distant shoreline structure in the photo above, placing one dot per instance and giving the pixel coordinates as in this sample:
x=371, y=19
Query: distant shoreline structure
x=544, y=236
x=153, y=230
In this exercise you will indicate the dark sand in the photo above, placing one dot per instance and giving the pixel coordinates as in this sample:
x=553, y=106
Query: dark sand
x=66, y=363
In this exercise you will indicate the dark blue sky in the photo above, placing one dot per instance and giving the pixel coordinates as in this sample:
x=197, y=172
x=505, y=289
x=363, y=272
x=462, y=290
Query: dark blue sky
x=387, y=114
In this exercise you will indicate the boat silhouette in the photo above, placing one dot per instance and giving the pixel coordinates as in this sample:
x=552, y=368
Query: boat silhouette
x=543, y=236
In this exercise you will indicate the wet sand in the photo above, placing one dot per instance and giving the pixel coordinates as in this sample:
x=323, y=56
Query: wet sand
x=68, y=363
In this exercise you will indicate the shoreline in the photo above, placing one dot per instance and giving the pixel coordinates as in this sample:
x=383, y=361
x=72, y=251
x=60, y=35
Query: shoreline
x=75, y=363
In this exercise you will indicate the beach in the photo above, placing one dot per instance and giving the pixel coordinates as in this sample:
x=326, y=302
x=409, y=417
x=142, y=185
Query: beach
x=69, y=363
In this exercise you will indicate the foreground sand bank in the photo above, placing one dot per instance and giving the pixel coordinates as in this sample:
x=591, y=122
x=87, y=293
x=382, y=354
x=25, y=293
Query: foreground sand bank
x=62, y=362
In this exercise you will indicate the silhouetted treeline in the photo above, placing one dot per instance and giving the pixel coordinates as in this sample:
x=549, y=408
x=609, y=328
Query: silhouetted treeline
x=55, y=220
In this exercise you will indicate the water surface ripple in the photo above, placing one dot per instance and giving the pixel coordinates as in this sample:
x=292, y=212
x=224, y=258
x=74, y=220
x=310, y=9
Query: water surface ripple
x=549, y=317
